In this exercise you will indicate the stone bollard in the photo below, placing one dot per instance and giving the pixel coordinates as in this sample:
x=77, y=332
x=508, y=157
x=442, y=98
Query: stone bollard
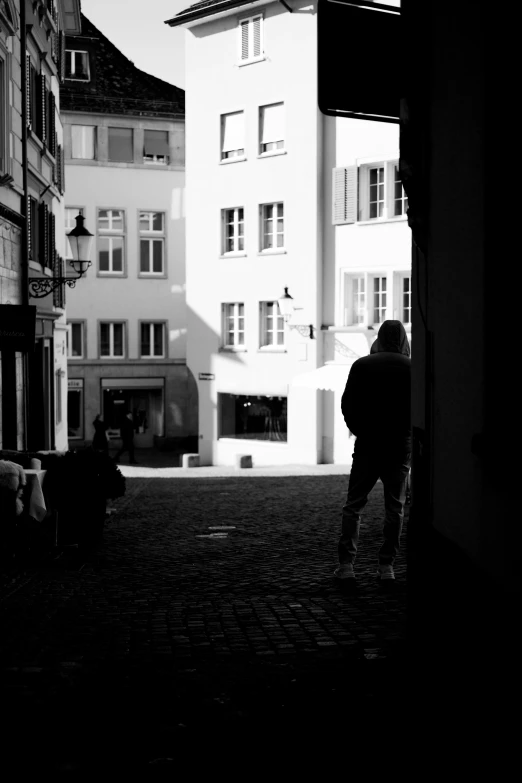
x=190, y=461
x=243, y=461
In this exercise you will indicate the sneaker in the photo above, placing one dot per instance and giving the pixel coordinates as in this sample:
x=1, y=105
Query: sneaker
x=344, y=571
x=385, y=572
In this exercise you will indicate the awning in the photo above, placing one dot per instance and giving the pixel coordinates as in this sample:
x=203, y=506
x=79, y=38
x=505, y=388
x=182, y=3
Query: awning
x=330, y=377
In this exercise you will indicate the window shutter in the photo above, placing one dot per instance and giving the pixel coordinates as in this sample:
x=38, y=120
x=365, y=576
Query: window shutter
x=244, y=40
x=43, y=232
x=156, y=143
x=61, y=56
x=52, y=124
x=256, y=23
x=62, y=171
x=272, y=121
x=51, y=236
x=29, y=227
x=233, y=131
x=42, y=108
x=59, y=292
x=28, y=90
x=344, y=195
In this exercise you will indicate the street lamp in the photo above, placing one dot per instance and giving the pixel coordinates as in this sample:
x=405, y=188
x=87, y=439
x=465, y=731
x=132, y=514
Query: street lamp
x=80, y=242
x=286, y=308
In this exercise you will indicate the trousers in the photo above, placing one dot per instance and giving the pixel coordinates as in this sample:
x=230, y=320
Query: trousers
x=373, y=461
x=127, y=445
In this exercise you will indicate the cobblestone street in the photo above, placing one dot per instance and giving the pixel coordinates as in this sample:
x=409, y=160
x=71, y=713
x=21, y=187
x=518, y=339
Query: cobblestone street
x=209, y=614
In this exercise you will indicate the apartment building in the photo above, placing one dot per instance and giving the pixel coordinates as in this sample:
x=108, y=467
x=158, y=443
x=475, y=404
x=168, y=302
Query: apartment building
x=124, y=138
x=281, y=197
x=33, y=379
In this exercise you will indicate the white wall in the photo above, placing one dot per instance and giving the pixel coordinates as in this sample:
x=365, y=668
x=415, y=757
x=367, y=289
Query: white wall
x=216, y=85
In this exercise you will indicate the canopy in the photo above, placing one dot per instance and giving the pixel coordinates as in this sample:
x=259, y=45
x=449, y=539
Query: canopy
x=330, y=377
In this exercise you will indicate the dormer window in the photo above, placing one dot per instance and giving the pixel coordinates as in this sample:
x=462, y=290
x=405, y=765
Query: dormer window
x=77, y=65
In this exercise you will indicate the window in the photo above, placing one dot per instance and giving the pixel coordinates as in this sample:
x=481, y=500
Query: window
x=71, y=214
x=152, y=341
x=111, y=340
x=367, y=192
x=271, y=128
x=252, y=417
x=75, y=408
x=400, y=201
x=272, y=332
x=75, y=340
x=358, y=299
x=152, y=243
x=77, y=65
x=121, y=145
x=111, y=237
x=379, y=300
x=233, y=230
x=232, y=135
x=251, y=39
x=365, y=299
x=381, y=195
x=156, y=147
x=376, y=192
x=234, y=325
x=272, y=228
x=82, y=142
x=402, y=309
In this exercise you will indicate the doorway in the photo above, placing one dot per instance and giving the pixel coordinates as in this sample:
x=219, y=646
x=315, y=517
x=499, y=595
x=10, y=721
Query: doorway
x=146, y=406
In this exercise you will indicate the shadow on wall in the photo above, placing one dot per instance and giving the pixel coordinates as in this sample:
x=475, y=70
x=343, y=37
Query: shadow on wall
x=205, y=344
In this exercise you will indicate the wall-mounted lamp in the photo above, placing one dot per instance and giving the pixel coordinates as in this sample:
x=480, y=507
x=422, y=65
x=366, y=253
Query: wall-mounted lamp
x=80, y=242
x=286, y=308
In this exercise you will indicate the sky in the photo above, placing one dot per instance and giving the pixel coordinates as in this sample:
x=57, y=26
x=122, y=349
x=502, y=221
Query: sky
x=137, y=29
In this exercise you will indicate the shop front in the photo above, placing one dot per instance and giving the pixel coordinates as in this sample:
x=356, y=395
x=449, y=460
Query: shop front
x=144, y=398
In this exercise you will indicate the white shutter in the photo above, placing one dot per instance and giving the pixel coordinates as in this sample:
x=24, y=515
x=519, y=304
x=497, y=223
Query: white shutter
x=82, y=139
x=344, y=195
x=272, y=123
x=251, y=38
x=233, y=131
x=244, y=39
x=256, y=24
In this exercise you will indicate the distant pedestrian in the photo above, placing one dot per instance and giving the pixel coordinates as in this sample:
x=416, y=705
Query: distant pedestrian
x=376, y=408
x=100, y=442
x=127, y=438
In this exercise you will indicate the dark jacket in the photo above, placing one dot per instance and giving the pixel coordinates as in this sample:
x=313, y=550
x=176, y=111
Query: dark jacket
x=127, y=430
x=100, y=440
x=377, y=399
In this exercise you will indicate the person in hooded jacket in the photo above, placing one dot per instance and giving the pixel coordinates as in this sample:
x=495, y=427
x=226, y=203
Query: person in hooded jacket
x=376, y=408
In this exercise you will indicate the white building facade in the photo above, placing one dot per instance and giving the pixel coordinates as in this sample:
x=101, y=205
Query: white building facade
x=125, y=174
x=280, y=196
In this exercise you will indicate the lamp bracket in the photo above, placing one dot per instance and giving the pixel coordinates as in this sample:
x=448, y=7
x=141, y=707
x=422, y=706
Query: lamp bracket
x=304, y=331
x=43, y=286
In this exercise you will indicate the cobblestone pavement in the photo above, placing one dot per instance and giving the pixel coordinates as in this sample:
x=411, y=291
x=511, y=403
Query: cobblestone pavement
x=208, y=617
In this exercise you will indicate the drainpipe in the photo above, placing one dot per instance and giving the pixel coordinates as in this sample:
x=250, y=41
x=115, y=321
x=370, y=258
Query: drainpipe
x=286, y=6
x=24, y=211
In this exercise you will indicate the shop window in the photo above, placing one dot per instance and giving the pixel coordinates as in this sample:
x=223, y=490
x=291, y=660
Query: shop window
x=252, y=417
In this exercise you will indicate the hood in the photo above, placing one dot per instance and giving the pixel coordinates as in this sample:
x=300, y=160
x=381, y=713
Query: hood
x=391, y=338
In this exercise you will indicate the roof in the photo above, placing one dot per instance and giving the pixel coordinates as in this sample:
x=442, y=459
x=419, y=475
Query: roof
x=205, y=8
x=116, y=85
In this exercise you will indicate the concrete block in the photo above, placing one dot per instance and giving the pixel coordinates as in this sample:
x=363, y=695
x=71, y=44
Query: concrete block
x=190, y=461
x=243, y=461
